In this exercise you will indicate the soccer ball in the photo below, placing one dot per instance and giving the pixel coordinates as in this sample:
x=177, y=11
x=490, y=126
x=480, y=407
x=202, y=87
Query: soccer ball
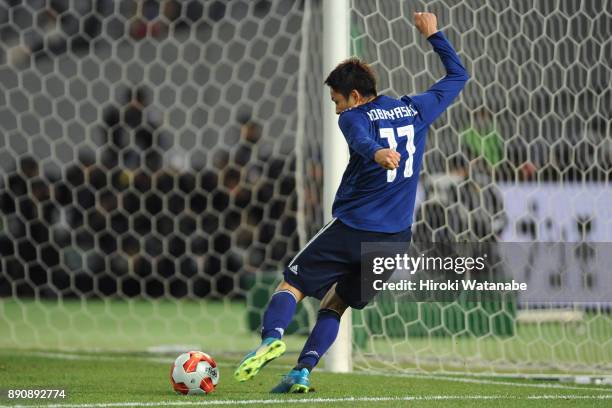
x=194, y=372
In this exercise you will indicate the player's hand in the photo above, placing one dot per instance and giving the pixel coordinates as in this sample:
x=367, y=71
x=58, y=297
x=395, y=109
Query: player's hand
x=387, y=158
x=426, y=23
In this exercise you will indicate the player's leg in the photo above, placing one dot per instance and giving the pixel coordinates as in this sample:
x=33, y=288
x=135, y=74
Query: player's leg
x=319, y=341
x=299, y=281
x=278, y=315
x=351, y=289
x=311, y=273
x=324, y=332
x=280, y=310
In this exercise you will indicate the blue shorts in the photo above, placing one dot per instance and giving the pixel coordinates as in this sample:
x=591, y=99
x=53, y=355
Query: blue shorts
x=334, y=255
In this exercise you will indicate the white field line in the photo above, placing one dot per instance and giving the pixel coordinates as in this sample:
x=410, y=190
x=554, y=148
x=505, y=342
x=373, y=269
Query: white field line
x=437, y=377
x=306, y=400
x=92, y=357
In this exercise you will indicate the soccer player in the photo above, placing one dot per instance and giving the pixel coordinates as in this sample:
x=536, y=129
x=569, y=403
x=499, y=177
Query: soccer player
x=374, y=203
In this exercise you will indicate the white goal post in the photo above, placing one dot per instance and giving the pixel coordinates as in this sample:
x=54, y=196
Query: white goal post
x=336, y=43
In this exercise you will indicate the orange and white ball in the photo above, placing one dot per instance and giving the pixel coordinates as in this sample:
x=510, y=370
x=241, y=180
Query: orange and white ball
x=194, y=372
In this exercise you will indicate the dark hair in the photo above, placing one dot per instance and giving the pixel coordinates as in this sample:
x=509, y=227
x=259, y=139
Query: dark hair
x=352, y=74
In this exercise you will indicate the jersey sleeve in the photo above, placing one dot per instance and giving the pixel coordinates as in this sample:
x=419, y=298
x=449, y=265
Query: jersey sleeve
x=356, y=130
x=435, y=100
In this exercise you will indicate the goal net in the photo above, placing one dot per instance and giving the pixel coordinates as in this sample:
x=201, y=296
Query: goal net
x=161, y=162
x=524, y=155
x=158, y=168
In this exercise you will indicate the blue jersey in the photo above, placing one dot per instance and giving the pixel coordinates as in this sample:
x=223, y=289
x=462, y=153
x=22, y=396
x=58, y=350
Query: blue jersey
x=370, y=197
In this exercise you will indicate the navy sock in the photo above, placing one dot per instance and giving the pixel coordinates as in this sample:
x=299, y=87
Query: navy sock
x=278, y=314
x=320, y=340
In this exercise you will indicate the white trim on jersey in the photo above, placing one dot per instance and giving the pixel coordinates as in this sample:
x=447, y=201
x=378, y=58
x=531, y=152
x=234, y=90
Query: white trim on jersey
x=322, y=230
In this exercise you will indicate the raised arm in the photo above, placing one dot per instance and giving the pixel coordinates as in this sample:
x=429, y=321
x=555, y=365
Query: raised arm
x=436, y=99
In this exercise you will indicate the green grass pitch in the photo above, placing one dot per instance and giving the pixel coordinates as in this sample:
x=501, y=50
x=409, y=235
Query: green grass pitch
x=131, y=379
x=45, y=344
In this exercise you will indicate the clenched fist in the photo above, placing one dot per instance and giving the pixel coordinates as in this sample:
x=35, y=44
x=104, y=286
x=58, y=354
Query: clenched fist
x=387, y=158
x=426, y=23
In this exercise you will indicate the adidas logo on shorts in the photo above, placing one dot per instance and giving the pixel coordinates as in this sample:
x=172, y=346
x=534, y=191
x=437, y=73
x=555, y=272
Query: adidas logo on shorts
x=294, y=269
